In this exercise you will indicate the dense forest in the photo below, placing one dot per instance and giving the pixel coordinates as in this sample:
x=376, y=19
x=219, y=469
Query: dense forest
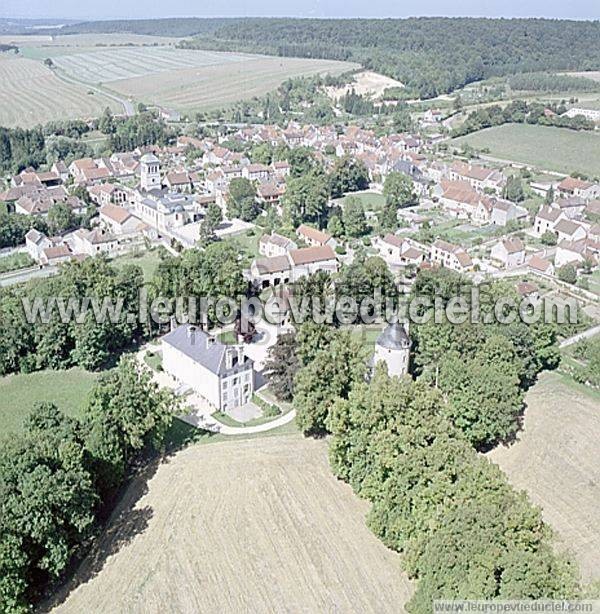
x=430, y=55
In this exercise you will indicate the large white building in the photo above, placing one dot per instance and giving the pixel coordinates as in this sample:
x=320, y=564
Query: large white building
x=222, y=374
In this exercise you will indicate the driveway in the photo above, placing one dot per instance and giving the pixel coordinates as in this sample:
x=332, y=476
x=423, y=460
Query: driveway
x=200, y=409
x=265, y=338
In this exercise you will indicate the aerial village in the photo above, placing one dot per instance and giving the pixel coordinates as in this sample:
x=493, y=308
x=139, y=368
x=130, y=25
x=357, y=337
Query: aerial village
x=463, y=215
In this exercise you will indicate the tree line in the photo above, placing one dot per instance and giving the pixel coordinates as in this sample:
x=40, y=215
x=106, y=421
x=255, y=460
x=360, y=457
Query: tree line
x=60, y=140
x=59, y=477
x=521, y=112
x=57, y=342
x=410, y=446
x=551, y=82
x=69, y=332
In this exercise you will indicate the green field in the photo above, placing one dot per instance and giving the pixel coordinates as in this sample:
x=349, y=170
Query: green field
x=15, y=262
x=594, y=282
x=18, y=393
x=246, y=244
x=555, y=149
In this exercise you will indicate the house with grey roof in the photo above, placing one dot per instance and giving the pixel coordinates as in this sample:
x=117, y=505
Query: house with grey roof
x=275, y=245
x=221, y=374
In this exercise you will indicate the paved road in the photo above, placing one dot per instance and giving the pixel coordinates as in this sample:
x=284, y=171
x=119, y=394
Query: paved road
x=15, y=277
x=586, y=334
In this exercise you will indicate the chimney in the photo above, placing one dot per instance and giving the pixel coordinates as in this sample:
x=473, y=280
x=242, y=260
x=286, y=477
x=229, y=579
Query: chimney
x=191, y=333
x=210, y=341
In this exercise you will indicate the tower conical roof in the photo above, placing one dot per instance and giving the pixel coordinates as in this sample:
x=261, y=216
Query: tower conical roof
x=394, y=337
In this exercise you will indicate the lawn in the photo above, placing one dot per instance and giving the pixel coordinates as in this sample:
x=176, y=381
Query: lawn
x=367, y=335
x=228, y=337
x=461, y=234
x=555, y=149
x=594, y=282
x=372, y=201
x=246, y=244
x=153, y=360
x=18, y=393
x=147, y=260
x=15, y=262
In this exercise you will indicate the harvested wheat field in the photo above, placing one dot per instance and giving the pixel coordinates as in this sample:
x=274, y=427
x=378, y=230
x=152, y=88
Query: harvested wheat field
x=33, y=94
x=246, y=526
x=557, y=461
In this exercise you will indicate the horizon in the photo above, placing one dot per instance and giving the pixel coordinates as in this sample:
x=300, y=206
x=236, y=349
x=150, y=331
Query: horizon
x=72, y=10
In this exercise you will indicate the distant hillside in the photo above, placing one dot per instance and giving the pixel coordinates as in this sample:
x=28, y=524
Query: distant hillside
x=28, y=26
x=176, y=26
x=431, y=56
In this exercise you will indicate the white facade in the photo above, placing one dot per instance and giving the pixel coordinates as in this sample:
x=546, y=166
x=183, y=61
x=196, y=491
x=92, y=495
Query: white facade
x=510, y=252
x=150, y=173
x=220, y=374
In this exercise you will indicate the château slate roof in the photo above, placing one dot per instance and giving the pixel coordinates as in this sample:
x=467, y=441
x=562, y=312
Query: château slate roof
x=201, y=347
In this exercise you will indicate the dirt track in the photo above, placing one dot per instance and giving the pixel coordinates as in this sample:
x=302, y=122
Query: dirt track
x=255, y=526
x=557, y=461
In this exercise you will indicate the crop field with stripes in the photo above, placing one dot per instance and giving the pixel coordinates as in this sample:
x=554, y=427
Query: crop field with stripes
x=92, y=72
x=33, y=94
x=112, y=64
x=217, y=84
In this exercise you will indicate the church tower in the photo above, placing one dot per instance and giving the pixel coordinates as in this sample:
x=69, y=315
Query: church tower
x=150, y=173
x=393, y=348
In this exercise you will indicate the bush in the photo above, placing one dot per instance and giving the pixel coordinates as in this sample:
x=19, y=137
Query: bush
x=549, y=238
x=269, y=409
x=568, y=274
x=341, y=250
